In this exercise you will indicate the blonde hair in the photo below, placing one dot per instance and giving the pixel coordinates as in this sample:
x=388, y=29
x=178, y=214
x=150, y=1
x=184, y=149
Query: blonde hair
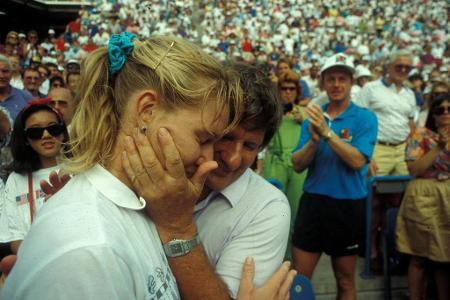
x=182, y=75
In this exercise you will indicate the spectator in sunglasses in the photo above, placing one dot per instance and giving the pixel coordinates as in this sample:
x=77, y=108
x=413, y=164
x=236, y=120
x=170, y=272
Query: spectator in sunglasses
x=395, y=107
x=277, y=166
x=36, y=142
x=424, y=216
x=438, y=89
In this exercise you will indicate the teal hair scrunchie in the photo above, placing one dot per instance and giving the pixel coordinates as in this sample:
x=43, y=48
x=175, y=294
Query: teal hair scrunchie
x=119, y=47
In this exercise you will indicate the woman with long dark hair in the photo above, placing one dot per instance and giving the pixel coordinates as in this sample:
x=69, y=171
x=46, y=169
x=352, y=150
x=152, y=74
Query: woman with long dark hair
x=36, y=142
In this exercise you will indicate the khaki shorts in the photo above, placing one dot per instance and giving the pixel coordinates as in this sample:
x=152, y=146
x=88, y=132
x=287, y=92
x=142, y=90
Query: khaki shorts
x=390, y=160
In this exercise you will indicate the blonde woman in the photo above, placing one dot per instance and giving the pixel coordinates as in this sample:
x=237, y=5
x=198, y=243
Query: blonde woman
x=93, y=239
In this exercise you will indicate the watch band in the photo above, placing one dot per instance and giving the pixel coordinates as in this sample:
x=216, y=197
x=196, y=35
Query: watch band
x=177, y=247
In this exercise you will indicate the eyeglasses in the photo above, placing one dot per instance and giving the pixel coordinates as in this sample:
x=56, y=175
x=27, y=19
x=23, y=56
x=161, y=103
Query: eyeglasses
x=402, y=68
x=287, y=88
x=440, y=110
x=35, y=133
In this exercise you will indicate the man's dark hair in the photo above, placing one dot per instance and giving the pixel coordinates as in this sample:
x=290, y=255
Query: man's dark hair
x=57, y=79
x=26, y=160
x=262, y=105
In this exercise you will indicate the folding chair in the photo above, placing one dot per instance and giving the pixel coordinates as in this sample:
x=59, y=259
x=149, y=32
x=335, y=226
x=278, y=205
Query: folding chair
x=379, y=185
x=301, y=289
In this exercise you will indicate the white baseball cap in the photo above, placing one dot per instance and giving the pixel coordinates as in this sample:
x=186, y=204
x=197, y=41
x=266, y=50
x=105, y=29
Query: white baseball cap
x=362, y=71
x=338, y=60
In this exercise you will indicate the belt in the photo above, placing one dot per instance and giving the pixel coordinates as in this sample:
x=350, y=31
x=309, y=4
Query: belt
x=389, y=144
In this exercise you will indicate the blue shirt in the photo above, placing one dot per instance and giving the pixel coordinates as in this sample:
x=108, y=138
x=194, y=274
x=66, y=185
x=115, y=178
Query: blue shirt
x=328, y=174
x=16, y=101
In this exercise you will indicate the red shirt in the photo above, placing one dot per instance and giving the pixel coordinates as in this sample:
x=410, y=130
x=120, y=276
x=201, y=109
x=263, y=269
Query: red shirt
x=246, y=46
x=75, y=26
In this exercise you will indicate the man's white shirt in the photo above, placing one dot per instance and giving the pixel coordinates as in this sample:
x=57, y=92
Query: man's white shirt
x=393, y=109
x=250, y=217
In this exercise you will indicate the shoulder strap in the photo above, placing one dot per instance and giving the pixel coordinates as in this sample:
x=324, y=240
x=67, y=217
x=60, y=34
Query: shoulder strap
x=30, y=196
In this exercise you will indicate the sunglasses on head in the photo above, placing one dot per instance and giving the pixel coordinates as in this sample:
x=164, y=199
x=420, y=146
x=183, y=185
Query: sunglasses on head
x=404, y=68
x=35, y=133
x=440, y=110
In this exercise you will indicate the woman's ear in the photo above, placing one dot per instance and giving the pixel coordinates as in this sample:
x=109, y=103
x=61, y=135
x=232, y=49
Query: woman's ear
x=146, y=104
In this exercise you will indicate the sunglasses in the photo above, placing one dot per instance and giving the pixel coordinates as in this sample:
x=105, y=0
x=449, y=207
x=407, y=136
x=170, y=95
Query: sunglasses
x=440, y=110
x=404, y=68
x=35, y=133
x=288, y=88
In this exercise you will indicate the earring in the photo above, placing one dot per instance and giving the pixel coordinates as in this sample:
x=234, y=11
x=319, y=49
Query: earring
x=143, y=129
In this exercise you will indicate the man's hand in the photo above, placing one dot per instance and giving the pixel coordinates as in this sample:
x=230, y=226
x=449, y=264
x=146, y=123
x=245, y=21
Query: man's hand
x=169, y=194
x=276, y=288
x=443, y=137
x=315, y=137
x=317, y=120
x=296, y=112
x=373, y=168
x=56, y=182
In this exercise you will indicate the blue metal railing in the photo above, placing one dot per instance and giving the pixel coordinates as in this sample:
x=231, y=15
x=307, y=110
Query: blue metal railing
x=383, y=185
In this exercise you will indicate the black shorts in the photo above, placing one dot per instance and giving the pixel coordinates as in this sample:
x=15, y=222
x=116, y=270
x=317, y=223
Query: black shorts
x=333, y=226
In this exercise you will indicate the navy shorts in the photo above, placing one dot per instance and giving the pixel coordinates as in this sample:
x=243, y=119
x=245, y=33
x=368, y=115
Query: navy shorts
x=333, y=226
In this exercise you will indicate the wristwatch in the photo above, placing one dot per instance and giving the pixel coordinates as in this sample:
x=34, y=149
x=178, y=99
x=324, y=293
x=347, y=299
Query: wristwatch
x=329, y=135
x=177, y=247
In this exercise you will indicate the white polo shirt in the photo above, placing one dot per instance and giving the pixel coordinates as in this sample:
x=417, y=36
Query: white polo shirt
x=393, y=109
x=92, y=241
x=250, y=217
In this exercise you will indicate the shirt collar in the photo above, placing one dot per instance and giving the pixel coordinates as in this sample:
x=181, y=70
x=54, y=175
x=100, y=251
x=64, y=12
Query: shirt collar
x=114, y=189
x=232, y=193
x=387, y=84
x=235, y=191
x=348, y=112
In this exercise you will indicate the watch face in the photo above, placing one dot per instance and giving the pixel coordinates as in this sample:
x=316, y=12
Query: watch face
x=176, y=248
x=180, y=247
